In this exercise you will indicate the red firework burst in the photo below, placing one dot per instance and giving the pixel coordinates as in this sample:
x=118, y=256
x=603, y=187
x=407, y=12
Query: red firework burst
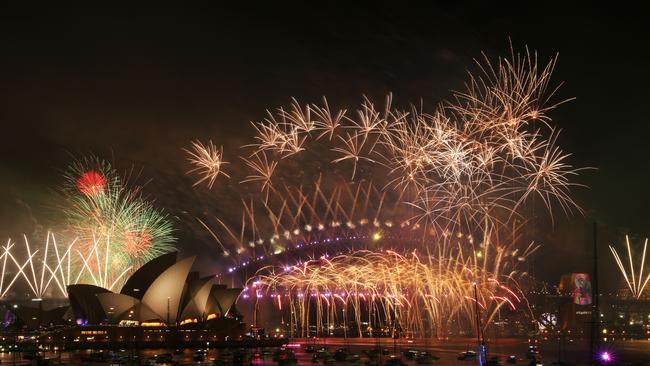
x=137, y=242
x=91, y=183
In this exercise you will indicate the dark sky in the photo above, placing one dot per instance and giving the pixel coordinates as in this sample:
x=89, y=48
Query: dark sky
x=135, y=85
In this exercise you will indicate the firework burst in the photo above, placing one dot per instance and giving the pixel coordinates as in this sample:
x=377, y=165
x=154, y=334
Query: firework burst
x=98, y=207
x=451, y=182
x=483, y=155
x=207, y=161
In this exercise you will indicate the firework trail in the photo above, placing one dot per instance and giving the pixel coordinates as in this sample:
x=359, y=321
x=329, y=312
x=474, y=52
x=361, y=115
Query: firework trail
x=207, y=161
x=635, y=281
x=418, y=292
x=47, y=270
x=480, y=156
x=44, y=270
x=456, y=182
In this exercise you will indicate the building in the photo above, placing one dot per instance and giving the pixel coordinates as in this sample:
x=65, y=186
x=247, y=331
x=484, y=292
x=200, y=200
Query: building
x=162, y=292
x=162, y=304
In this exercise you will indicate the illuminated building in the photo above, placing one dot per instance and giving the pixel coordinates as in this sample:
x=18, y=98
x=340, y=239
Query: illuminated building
x=162, y=292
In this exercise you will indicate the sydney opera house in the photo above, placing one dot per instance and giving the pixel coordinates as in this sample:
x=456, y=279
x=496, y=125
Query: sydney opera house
x=162, y=301
x=163, y=291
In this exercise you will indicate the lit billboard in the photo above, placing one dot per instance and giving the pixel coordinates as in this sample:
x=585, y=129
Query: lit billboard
x=581, y=288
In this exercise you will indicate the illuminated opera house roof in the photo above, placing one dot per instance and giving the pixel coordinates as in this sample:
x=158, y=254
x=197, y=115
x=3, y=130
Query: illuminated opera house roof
x=164, y=290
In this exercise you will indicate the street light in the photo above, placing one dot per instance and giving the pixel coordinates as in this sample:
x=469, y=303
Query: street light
x=135, y=314
x=40, y=311
x=168, y=298
x=481, y=342
x=136, y=321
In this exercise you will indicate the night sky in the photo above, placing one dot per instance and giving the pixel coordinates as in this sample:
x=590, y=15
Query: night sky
x=136, y=85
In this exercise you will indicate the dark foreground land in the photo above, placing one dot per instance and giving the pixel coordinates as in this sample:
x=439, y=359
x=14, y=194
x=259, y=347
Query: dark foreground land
x=631, y=352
